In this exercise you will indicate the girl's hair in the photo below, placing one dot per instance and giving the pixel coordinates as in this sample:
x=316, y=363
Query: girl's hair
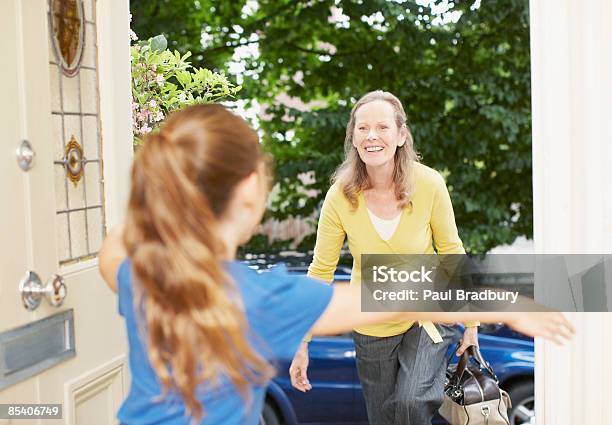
x=183, y=179
x=352, y=174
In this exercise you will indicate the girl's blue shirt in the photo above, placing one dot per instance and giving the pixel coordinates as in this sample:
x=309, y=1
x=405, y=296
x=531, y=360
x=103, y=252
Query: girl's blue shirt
x=280, y=309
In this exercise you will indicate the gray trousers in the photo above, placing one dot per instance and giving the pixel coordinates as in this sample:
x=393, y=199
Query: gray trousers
x=402, y=376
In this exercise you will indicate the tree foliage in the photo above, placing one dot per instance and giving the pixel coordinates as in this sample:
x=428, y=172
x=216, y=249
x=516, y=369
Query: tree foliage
x=465, y=84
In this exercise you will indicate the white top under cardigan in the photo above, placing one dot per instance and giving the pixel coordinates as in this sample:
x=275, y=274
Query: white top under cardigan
x=385, y=228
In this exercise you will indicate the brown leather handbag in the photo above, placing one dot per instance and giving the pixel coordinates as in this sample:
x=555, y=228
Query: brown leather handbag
x=472, y=395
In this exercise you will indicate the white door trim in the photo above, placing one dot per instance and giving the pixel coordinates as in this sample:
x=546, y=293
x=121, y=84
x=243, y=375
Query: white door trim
x=114, y=73
x=571, y=76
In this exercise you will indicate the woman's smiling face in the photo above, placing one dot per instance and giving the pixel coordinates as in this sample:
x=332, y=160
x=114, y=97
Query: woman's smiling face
x=376, y=134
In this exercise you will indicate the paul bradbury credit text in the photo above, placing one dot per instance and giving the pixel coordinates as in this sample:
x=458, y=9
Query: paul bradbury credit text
x=445, y=295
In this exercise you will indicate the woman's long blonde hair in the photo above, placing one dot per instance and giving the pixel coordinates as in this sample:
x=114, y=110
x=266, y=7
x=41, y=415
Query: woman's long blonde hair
x=182, y=181
x=352, y=174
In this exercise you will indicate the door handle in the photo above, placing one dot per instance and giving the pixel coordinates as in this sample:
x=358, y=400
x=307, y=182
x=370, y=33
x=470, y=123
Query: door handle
x=32, y=290
x=25, y=155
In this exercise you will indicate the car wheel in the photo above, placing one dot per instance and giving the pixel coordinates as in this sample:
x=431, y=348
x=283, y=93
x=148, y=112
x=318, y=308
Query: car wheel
x=269, y=415
x=523, y=404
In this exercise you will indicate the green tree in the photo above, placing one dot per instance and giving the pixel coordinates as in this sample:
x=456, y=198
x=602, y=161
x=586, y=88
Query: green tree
x=465, y=84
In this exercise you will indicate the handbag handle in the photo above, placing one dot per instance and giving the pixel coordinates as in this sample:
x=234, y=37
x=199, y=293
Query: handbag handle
x=471, y=352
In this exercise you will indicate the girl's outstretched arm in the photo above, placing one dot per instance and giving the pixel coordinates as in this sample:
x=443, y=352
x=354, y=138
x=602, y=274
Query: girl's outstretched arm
x=111, y=255
x=344, y=313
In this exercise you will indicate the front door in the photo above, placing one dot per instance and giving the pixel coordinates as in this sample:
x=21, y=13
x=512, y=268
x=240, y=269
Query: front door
x=68, y=347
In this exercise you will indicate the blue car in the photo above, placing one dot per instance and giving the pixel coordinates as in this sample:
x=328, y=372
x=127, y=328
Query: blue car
x=336, y=397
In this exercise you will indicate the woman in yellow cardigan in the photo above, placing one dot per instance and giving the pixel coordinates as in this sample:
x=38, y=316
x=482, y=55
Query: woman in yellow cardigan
x=385, y=202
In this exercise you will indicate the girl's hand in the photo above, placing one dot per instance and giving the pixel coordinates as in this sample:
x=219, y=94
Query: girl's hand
x=549, y=325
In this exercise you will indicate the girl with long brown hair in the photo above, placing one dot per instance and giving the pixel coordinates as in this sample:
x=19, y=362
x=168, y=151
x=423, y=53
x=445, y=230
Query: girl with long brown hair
x=205, y=330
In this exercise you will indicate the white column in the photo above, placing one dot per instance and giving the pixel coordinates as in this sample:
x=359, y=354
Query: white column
x=115, y=103
x=571, y=51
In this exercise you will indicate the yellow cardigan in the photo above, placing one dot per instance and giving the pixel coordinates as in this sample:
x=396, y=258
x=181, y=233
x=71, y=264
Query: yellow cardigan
x=430, y=221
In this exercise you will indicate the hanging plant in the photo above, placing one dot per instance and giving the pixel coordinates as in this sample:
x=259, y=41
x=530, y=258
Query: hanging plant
x=164, y=81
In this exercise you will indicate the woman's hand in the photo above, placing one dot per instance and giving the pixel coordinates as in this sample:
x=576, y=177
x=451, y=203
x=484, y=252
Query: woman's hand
x=470, y=337
x=298, y=369
x=549, y=325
